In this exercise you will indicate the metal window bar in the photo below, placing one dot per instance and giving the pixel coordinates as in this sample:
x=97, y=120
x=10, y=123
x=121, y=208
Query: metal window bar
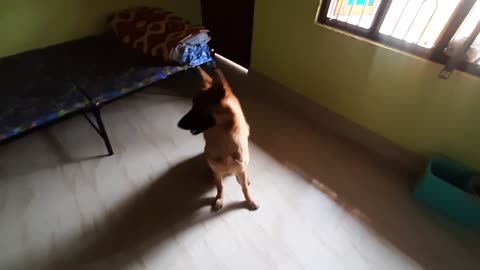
x=428, y=22
x=337, y=10
x=341, y=8
x=331, y=8
x=380, y=14
x=363, y=12
x=400, y=17
x=351, y=9
x=459, y=56
x=458, y=16
x=329, y=15
x=414, y=19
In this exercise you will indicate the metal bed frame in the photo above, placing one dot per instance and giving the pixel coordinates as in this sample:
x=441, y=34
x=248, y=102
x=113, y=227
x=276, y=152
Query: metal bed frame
x=95, y=110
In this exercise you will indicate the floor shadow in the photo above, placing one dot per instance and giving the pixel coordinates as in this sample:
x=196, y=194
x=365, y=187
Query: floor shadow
x=41, y=150
x=169, y=204
x=56, y=146
x=310, y=154
x=349, y=173
x=64, y=156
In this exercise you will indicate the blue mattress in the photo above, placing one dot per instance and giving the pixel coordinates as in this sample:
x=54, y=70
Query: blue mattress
x=45, y=84
x=29, y=96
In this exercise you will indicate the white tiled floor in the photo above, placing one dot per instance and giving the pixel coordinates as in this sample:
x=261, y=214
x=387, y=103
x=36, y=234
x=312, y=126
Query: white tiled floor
x=325, y=203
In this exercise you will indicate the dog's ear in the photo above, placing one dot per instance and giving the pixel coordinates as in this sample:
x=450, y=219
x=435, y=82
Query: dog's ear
x=207, y=80
x=222, y=79
x=218, y=93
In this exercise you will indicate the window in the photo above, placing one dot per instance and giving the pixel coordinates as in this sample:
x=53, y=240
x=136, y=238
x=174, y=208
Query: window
x=360, y=2
x=445, y=31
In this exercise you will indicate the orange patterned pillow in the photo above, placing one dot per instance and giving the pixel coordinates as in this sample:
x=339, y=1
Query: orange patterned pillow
x=152, y=31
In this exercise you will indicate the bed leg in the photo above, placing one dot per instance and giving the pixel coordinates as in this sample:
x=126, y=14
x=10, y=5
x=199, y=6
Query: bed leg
x=100, y=128
x=102, y=131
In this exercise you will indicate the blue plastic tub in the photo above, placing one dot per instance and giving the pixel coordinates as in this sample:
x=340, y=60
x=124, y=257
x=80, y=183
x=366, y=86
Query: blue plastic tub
x=442, y=188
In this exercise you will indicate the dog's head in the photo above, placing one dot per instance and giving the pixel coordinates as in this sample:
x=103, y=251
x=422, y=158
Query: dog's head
x=201, y=115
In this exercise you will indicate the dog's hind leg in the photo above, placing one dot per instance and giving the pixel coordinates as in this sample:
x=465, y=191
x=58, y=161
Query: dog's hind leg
x=244, y=182
x=218, y=203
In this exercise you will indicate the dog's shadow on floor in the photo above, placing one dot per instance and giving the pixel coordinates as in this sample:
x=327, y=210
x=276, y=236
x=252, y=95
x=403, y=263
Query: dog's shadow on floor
x=169, y=204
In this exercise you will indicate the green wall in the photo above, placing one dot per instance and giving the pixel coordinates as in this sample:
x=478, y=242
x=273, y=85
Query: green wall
x=391, y=93
x=28, y=24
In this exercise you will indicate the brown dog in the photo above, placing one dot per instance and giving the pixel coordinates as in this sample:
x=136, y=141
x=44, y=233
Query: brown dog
x=217, y=113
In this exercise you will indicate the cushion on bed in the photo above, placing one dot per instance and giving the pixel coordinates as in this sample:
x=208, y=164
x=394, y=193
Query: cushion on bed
x=153, y=32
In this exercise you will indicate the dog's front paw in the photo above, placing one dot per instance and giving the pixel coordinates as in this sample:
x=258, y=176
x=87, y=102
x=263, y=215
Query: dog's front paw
x=217, y=204
x=253, y=205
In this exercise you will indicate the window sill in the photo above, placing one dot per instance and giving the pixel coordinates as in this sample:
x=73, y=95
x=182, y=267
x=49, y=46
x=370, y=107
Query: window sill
x=469, y=69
